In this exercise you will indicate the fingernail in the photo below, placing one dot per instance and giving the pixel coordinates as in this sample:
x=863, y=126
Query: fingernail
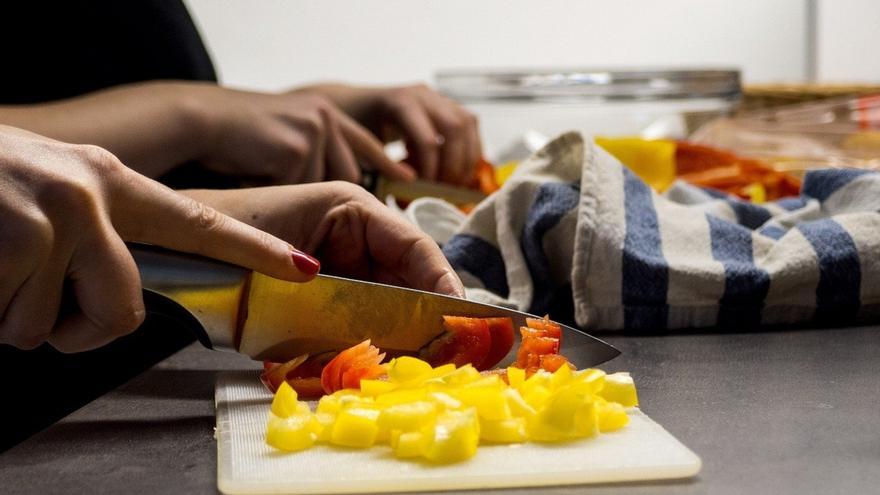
x=305, y=263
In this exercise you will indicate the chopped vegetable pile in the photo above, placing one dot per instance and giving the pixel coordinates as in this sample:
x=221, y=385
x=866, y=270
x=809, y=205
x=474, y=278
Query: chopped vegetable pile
x=441, y=413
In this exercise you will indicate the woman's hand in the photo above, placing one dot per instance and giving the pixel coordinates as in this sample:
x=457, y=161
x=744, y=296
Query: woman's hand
x=442, y=137
x=350, y=231
x=289, y=138
x=66, y=210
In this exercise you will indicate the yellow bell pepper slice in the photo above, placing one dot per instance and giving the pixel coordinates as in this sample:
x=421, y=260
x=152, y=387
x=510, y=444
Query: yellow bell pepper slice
x=291, y=433
x=512, y=430
x=377, y=387
x=406, y=368
x=612, y=416
x=455, y=437
x=285, y=401
x=619, y=387
x=355, y=426
x=652, y=160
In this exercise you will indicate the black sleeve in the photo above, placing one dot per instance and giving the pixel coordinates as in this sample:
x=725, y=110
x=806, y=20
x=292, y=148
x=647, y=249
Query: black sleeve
x=56, y=50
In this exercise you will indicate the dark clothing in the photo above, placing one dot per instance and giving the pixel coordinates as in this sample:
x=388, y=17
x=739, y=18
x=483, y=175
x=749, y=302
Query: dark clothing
x=62, y=49
x=55, y=50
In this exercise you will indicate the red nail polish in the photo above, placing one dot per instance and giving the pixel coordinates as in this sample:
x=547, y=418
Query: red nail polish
x=305, y=263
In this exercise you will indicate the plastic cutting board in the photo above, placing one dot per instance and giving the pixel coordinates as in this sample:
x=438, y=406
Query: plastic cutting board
x=246, y=465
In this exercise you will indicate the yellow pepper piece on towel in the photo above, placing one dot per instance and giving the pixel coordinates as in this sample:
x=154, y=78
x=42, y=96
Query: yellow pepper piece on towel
x=652, y=160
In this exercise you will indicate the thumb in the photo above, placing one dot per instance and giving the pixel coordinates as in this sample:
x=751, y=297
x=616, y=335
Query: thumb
x=147, y=211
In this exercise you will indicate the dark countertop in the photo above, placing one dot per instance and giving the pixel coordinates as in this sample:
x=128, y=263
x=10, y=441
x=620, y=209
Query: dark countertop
x=781, y=412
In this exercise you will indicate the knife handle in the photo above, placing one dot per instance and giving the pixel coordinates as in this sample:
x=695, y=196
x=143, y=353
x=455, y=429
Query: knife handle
x=201, y=294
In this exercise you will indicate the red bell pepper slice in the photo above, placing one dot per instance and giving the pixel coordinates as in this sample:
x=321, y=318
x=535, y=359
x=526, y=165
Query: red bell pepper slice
x=466, y=340
x=351, y=365
x=501, y=333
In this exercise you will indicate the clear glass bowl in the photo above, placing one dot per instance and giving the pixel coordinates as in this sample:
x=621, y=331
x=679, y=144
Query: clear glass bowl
x=519, y=110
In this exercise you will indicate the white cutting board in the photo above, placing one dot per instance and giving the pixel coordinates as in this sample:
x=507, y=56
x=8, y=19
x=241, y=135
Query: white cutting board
x=246, y=465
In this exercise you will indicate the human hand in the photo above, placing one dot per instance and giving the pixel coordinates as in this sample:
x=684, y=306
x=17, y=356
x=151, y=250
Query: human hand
x=66, y=210
x=289, y=138
x=349, y=230
x=442, y=137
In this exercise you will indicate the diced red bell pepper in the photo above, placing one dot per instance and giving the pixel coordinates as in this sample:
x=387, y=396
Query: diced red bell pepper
x=552, y=362
x=546, y=327
x=501, y=333
x=360, y=361
x=466, y=340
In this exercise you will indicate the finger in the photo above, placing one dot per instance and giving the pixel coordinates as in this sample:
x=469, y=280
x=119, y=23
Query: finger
x=25, y=244
x=104, y=280
x=365, y=145
x=473, y=146
x=451, y=125
x=146, y=211
x=315, y=170
x=341, y=163
x=421, y=136
x=33, y=309
x=404, y=252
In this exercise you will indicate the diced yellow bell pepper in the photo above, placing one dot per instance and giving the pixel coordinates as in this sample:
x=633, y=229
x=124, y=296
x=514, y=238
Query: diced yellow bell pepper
x=285, y=401
x=409, y=416
x=324, y=426
x=328, y=404
x=560, y=378
x=563, y=417
x=444, y=401
x=355, y=426
x=411, y=444
x=612, y=416
x=441, y=414
x=293, y=433
x=516, y=376
x=461, y=376
x=619, y=387
x=589, y=381
x=491, y=381
x=536, y=396
x=406, y=368
x=377, y=387
x=489, y=401
x=512, y=430
x=455, y=438
x=402, y=396
x=518, y=406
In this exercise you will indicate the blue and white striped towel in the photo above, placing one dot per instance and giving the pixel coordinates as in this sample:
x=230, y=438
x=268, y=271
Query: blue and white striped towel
x=575, y=234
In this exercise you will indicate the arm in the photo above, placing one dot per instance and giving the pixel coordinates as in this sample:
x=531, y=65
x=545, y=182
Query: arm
x=151, y=126
x=287, y=138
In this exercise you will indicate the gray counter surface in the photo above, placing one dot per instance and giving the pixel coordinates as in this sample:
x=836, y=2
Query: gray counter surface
x=777, y=412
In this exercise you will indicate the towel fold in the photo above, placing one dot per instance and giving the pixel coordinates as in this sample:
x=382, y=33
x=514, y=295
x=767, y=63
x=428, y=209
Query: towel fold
x=575, y=234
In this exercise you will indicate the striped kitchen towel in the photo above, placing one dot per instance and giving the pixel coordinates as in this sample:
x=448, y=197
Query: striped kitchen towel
x=575, y=234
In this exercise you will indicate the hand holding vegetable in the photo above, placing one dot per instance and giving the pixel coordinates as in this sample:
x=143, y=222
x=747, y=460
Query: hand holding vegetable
x=442, y=137
x=66, y=211
x=349, y=230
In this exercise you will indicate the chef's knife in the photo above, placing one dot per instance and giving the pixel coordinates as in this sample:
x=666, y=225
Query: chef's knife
x=232, y=308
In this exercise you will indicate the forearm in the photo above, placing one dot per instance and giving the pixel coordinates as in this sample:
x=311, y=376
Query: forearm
x=150, y=127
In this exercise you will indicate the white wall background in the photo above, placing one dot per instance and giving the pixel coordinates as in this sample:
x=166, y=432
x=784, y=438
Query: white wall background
x=848, y=40
x=273, y=44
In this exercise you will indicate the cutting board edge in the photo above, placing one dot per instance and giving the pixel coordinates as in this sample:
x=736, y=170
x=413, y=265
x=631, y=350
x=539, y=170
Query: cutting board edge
x=683, y=471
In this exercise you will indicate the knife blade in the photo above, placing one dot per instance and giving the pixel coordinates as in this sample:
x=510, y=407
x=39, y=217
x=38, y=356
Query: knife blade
x=271, y=319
